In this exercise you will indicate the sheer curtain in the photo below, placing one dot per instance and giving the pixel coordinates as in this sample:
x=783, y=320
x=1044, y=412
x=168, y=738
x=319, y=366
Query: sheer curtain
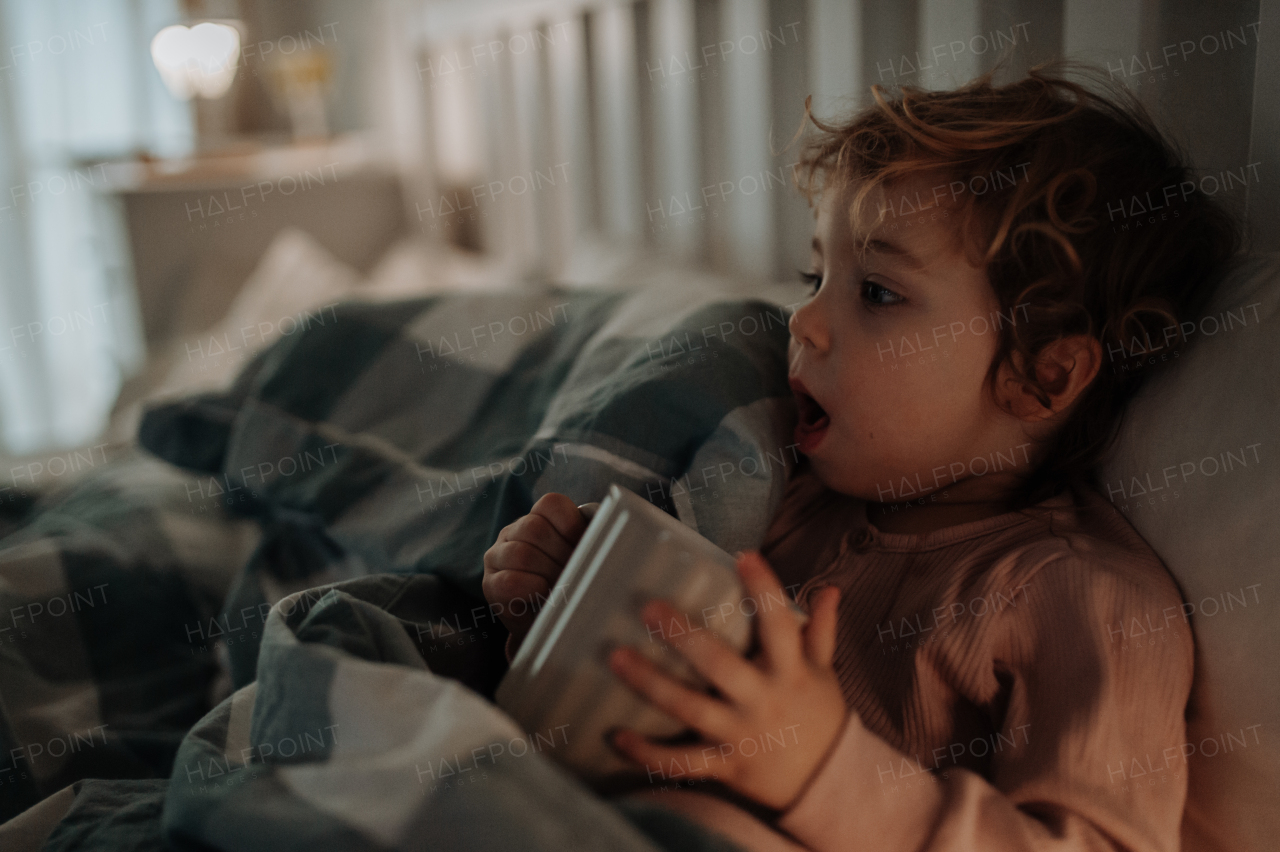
x=76, y=87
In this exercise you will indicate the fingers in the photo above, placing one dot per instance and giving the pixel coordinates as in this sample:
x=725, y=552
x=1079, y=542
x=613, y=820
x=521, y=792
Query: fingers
x=563, y=515
x=699, y=711
x=540, y=542
x=554, y=526
x=820, y=632
x=521, y=557
x=778, y=628
x=503, y=587
x=723, y=667
x=655, y=757
x=531, y=553
x=536, y=532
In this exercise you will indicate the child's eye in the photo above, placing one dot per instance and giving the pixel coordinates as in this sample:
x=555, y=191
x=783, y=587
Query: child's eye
x=879, y=296
x=813, y=279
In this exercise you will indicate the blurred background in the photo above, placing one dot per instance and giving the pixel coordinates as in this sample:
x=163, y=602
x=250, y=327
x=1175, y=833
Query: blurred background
x=182, y=183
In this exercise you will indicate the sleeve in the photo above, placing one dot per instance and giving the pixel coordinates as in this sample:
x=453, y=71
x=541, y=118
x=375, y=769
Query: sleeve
x=1098, y=670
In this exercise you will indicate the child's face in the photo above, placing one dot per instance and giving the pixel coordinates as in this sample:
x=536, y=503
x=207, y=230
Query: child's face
x=895, y=349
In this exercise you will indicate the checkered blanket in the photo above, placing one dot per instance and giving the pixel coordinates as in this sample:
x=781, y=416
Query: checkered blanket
x=378, y=439
x=98, y=591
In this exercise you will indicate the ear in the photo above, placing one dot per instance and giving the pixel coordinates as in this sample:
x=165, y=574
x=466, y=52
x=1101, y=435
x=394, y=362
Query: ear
x=1065, y=368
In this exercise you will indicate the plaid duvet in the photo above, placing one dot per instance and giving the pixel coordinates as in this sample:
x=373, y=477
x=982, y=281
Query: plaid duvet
x=96, y=677
x=392, y=439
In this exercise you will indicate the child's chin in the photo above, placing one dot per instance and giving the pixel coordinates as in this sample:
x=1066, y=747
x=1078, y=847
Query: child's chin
x=847, y=479
x=831, y=477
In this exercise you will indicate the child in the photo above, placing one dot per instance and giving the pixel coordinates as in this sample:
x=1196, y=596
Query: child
x=985, y=297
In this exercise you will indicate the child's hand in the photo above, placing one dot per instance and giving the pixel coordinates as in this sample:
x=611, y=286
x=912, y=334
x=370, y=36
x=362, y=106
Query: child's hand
x=527, y=559
x=788, y=692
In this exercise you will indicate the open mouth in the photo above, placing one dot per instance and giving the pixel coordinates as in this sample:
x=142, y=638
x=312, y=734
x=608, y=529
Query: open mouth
x=813, y=421
x=812, y=415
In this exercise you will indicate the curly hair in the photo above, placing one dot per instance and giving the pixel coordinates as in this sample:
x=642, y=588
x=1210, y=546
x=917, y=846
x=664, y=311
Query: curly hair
x=1063, y=240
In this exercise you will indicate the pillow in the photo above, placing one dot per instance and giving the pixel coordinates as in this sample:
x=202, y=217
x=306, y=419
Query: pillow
x=294, y=281
x=1194, y=470
x=291, y=287
x=416, y=267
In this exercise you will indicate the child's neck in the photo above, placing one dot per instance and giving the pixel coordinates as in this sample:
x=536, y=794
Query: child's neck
x=966, y=501
x=916, y=519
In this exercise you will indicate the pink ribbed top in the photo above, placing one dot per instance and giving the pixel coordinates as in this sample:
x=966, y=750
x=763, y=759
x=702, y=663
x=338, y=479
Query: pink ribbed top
x=1017, y=682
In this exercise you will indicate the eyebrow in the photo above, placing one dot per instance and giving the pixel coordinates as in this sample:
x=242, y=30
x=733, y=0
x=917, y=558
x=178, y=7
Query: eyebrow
x=881, y=247
x=886, y=247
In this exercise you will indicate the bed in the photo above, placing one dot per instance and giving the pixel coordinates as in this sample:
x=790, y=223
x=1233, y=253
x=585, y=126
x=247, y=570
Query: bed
x=384, y=442
x=349, y=466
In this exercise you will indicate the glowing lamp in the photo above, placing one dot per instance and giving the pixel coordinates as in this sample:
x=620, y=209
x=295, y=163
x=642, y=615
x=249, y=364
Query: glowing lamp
x=197, y=61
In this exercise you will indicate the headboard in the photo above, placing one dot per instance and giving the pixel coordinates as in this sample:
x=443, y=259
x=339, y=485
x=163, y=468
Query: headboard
x=664, y=124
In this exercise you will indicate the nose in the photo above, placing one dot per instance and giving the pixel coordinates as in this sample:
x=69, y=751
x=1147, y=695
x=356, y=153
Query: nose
x=808, y=326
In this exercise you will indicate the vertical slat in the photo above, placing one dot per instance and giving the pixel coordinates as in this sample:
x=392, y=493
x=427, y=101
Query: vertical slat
x=444, y=207
x=501, y=219
x=790, y=33
x=712, y=130
x=646, y=118
x=835, y=55
x=1264, y=148
x=408, y=111
x=528, y=148
x=571, y=133
x=455, y=110
x=560, y=203
x=422, y=184
x=613, y=57
x=889, y=35
x=1102, y=31
x=595, y=217
x=670, y=75
x=749, y=215
x=1035, y=28
x=1216, y=80
x=951, y=34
